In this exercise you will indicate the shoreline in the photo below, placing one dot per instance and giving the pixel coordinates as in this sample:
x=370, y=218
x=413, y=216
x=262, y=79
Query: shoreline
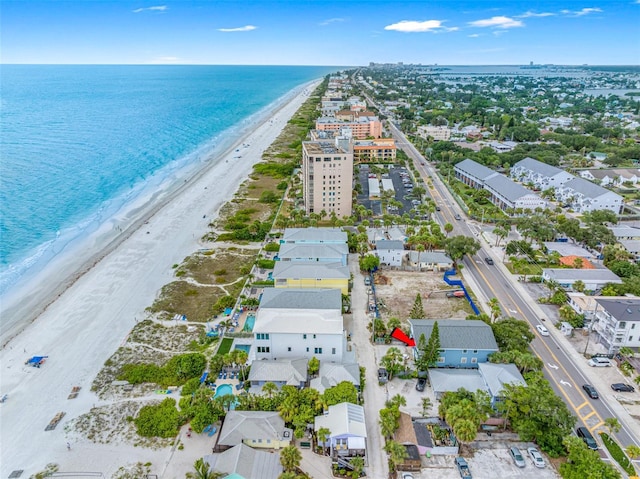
x=91, y=314
x=30, y=297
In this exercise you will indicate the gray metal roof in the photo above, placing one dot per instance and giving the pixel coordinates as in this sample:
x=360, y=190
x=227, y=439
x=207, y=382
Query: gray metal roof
x=241, y=425
x=317, y=235
x=289, y=371
x=301, y=298
x=443, y=380
x=312, y=251
x=497, y=375
x=457, y=333
x=332, y=374
x=310, y=269
x=475, y=169
x=433, y=257
x=586, y=188
x=538, y=167
x=389, y=244
x=343, y=419
x=621, y=309
x=573, y=274
x=509, y=189
x=246, y=462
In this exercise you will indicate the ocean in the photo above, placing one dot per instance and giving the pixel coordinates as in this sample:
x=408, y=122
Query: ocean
x=80, y=143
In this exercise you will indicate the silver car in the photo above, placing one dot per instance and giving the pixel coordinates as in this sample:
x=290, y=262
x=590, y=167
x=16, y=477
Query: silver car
x=516, y=455
x=536, y=457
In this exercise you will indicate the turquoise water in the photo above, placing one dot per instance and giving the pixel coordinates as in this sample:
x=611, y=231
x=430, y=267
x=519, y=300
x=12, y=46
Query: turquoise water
x=80, y=142
x=243, y=347
x=223, y=390
x=249, y=323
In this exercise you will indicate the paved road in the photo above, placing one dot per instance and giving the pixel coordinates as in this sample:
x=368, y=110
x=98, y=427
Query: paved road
x=561, y=364
x=374, y=398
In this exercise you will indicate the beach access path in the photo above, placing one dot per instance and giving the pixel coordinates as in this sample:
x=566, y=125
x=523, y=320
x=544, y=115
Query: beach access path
x=82, y=328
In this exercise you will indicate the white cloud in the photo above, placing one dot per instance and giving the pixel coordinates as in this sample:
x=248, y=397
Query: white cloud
x=165, y=60
x=497, y=22
x=581, y=13
x=246, y=28
x=158, y=8
x=475, y=35
x=332, y=20
x=412, y=26
x=534, y=14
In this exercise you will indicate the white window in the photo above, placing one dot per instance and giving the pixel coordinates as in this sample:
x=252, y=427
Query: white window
x=463, y=360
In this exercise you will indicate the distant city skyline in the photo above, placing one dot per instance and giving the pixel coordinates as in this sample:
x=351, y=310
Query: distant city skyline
x=318, y=32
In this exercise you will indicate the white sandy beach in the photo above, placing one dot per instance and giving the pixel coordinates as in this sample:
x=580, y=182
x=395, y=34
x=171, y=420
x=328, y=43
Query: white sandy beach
x=90, y=319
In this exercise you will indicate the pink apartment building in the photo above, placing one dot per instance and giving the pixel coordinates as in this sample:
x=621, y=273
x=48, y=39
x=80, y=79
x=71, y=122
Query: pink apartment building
x=361, y=126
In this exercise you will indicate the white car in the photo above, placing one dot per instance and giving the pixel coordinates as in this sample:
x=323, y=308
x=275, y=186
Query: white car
x=536, y=457
x=542, y=330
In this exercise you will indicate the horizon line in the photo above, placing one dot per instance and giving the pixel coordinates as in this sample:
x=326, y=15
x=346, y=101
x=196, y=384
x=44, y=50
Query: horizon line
x=340, y=66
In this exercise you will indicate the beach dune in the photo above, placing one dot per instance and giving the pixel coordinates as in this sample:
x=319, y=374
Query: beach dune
x=80, y=311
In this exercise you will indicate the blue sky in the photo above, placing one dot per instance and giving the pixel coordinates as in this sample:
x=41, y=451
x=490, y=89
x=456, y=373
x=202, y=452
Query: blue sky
x=321, y=32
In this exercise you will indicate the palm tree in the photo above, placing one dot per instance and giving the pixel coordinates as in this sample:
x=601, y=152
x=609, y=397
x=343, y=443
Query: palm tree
x=553, y=286
x=358, y=465
x=448, y=228
x=494, y=305
x=396, y=401
x=426, y=405
x=290, y=458
x=203, y=471
x=397, y=453
x=633, y=451
x=269, y=389
x=465, y=430
x=322, y=435
x=612, y=424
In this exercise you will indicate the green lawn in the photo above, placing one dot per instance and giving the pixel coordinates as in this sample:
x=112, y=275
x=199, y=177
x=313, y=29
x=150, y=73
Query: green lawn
x=225, y=346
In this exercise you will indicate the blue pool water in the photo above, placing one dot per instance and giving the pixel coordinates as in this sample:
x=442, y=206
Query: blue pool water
x=223, y=390
x=249, y=323
x=243, y=347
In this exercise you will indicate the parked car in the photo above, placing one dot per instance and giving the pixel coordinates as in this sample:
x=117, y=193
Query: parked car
x=455, y=294
x=463, y=468
x=542, y=330
x=584, y=434
x=407, y=475
x=367, y=281
x=599, y=362
x=488, y=260
x=622, y=387
x=422, y=382
x=437, y=208
x=457, y=216
x=516, y=455
x=591, y=391
x=536, y=457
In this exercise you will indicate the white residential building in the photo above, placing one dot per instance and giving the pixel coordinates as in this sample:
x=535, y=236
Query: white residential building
x=617, y=323
x=615, y=177
x=583, y=196
x=593, y=279
x=541, y=175
x=390, y=252
x=505, y=193
x=295, y=323
x=438, y=133
x=314, y=236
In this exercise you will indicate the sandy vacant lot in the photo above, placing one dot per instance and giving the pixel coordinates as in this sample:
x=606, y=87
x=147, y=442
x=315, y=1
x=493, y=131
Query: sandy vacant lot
x=396, y=292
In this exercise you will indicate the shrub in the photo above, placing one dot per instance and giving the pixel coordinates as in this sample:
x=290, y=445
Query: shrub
x=265, y=263
x=177, y=371
x=272, y=247
x=158, y=420
x=618, y=454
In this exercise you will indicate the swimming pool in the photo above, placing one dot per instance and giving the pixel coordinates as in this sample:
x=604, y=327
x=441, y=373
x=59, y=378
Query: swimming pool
x=243, y=347
x=223, y=390
x=249, y=323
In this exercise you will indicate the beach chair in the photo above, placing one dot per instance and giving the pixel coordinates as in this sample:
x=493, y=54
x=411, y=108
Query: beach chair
x=208, y=428
x=220, y=375
x=213, y=431
x=224, y=375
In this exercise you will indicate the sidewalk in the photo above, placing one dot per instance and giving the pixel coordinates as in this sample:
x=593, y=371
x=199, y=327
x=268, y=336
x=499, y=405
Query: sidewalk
x=600, y=379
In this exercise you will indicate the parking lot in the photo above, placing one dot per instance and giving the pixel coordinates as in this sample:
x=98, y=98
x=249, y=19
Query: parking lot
x=402, y=184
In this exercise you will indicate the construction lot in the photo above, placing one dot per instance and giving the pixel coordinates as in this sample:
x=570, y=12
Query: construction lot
x=396, y=293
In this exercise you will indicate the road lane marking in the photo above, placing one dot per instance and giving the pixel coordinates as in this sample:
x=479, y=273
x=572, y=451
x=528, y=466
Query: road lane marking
x=584, y=418
x=586, y=403
x=562, y=391
x=601, y=423
x=552, y=365
x=565, y=383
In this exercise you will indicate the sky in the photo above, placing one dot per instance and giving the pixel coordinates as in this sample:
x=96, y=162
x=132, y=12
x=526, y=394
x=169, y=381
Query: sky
x=321, y=32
